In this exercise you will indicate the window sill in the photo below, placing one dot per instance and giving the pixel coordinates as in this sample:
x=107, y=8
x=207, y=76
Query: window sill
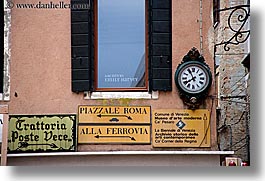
x=120, y=95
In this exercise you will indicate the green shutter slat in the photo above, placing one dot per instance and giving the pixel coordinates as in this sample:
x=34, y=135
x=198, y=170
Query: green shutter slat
x=161, y=73
x=161, y=62
x=79, y=16
x=161, y=49
x=161, y=4
x=161, y=15
x=160, y=45
x=80, y=74
x=80, y=28
x=161, y=26
x=81, y=51
x=82, y=47
x=80, y=63
x=82, y=39
x=162, y=85
x=80, y=2
x=80, y=85
x=161, y=38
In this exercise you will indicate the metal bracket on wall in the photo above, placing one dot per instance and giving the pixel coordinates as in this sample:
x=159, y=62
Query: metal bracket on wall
x=241, y=14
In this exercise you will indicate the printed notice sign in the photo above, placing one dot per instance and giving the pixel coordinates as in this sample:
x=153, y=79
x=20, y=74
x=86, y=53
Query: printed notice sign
x=180, y=128
x=41, y=133
x=129, y=134
x=114, y=114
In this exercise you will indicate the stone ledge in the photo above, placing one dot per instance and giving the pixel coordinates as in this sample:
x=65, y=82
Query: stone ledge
x=123, y=153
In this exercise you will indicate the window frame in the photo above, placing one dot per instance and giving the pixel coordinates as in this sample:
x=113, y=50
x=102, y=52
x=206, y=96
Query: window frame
x=131, y=89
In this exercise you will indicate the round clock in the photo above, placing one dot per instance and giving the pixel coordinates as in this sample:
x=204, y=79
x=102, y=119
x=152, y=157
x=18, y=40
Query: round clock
x=193, y=78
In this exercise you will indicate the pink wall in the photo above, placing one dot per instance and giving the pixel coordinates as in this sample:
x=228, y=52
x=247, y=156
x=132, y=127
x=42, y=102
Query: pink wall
x=41, y=63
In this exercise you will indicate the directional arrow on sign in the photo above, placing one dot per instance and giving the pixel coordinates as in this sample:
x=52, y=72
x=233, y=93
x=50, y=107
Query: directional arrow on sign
x=26, y=144
x=132, y=138
x=114, y=115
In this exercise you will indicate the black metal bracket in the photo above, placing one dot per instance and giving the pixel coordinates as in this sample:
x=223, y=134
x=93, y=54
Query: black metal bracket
x=242, y=12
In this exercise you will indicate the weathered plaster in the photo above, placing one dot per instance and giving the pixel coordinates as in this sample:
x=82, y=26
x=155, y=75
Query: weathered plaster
x=41, y=65
x=7, y=54
x=232, y=121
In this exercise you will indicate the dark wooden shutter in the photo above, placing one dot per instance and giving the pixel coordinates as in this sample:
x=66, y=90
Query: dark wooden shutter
x=160, y=45
x=82, y=45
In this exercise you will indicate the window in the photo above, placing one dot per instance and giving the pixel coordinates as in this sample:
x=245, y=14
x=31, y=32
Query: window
x=121, y=46
x=216, y=13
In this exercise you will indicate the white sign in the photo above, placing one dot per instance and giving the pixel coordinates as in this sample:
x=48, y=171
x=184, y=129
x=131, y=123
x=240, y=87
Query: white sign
x=1, y=126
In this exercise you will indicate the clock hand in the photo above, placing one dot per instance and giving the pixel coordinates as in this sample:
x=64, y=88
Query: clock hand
x=187, y=81
x=191, y=74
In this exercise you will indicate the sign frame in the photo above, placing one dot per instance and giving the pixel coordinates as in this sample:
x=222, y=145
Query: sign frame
x=116, y=142
x=115, y=116
x=73, y=135
x=181, y=128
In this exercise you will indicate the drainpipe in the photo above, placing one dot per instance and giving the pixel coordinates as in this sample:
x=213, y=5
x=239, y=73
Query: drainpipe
x=200, y=23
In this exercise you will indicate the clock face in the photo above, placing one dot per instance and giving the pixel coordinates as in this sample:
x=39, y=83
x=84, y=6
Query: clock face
x=193, y=78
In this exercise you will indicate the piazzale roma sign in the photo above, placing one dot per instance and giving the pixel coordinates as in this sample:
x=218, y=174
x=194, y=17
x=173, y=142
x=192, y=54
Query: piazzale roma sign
x=41, y=133
x=114, y=124
x=114, y=114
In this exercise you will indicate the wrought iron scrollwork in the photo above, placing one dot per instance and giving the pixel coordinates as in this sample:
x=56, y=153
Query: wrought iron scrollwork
x=242, y=14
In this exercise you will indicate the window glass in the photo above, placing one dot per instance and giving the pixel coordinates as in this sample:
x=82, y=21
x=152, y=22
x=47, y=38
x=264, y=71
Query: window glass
x=121, y=61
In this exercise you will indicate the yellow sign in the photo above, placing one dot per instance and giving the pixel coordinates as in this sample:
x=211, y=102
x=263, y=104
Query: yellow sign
x=129, y=134
x=1, y=126
x=41, y=133
x=114, y=114
x=181, y=128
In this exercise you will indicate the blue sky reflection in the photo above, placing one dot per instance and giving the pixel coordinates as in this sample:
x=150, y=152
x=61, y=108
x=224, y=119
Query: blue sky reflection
x=121, y=42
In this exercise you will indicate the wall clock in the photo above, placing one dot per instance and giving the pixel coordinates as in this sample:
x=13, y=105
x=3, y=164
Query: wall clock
x=193, y=78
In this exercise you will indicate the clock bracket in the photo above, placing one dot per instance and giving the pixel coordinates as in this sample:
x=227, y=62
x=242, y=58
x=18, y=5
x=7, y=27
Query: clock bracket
x=193, y=100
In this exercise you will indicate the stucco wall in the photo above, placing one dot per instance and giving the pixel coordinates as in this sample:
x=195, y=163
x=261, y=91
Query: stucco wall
x=122, y=160
x=41, y=63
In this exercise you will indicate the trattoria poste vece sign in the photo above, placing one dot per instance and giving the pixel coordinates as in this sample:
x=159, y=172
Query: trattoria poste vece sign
x=41, y=133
